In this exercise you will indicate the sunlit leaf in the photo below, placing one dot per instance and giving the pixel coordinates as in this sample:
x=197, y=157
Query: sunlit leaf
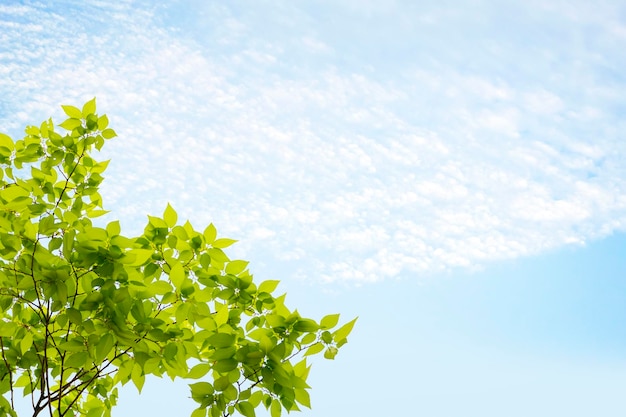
x=26, y=342
x=268, y=286
x=343, y=332
x=223, y=243
x=170, y=216
x=88, y=108
x=199, y=371
x=329, y=321
x=72, y=111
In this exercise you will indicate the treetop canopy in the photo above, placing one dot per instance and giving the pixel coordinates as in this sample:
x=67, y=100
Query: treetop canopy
x=84, y=308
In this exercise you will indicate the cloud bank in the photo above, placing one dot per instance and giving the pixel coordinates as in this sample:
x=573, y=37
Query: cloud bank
x=343, y=143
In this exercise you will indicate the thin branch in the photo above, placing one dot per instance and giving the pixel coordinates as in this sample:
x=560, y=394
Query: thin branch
x=6, y=362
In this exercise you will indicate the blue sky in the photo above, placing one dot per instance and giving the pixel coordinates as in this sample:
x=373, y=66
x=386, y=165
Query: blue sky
x=450, y=172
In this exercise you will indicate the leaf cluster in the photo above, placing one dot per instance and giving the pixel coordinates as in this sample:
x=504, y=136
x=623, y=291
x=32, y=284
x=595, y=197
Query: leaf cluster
x=84, y=309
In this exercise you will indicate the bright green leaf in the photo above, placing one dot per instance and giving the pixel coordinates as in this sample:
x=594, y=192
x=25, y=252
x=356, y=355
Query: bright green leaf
x=223, y=243
x=138, y=377
x=276, y=408
x=177, y=275
x=76, y=360
x=160, y=287
x=71, y=124
x=6, y=142
x=109, y=133
x=26, y=342
x=88, y=108
x=200, y=389
x=246, y=409
x=329, y=321
x=343, y=331
x=210, y=233
x=308, y=338
x=306, y=325
x=136, y=257
x=199, y=412
x=103, y=122
x=113, y=228
x=236, y=267
x=199, y=370
x=72, y=111
x=302, y=396
x=316, y=348
x=170, y=216
x=330, y=352
x=268, y=286
x=104, y=346
x=221, y=340
x=225, y=365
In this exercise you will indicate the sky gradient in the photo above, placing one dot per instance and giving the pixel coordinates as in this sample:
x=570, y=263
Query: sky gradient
x=451, y=172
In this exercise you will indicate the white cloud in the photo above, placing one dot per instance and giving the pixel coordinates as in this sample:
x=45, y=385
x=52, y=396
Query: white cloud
x=356, y=174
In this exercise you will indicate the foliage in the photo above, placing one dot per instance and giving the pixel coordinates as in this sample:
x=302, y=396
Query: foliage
x=84, y=308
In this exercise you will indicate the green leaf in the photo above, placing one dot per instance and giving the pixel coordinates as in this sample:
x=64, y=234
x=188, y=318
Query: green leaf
x=136, y=257
x=104, y=346
x=177, y=275
x=236, y=267
x=343, y=332
x=157, y=223
x=72, y=111
x=7, y=329
x=330, y=352
x=329, y=321
x=71, y=124
x=160, y=287
x=306, y=325
x=225, y=365
x=103, y=122
x=223, y=353
x=245, y=408
x=13, y=192
x=6, y=142
x=276, y=408
x=223, y=243
x=76, y=360
x=113, y=228
x=221, y=340
x=315, y=349
x=74, y=316
x=199, y=371
x=302, y=396
x=138, y=377
x=221, y=317
x=222, y=383
x=26, y=342
x=217, y=255
x=108, y=133
x=200, y=389
x=199, y=412
x=308, y=338
x=88, y=108
x=68, y=243
x=170, y=216
x=74, y=345
x=210, y=233
x=268, y=286
x=96, y=213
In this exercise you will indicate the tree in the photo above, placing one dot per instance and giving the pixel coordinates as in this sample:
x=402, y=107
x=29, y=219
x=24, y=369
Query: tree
x=84, y=308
